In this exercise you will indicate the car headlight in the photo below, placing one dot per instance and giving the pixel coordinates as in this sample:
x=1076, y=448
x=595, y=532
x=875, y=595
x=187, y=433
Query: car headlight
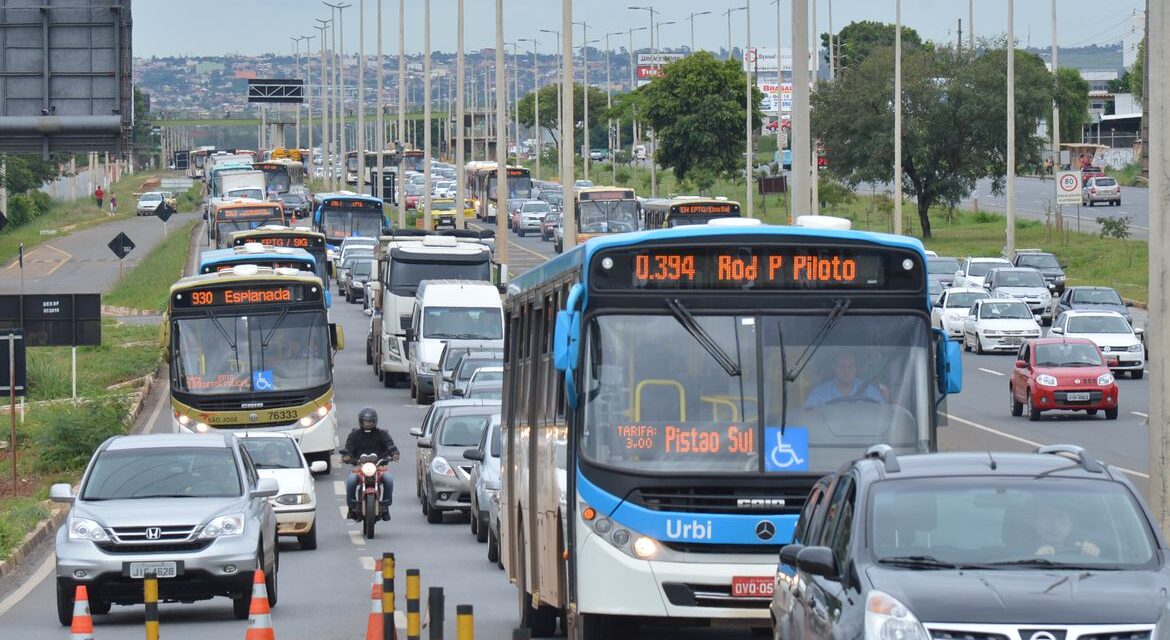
x=294, y=498
x=1060, y=278
x=439, y=466
x=1135, y=347
x=86, y=529
x=1046, y=380
x=990, y=333
x=1105, y=378
x=888, y=619
x=223, y=526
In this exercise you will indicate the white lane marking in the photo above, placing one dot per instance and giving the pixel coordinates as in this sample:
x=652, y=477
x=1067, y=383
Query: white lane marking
x=356, y=538
x=994, y=373
x=344, y=510
x=339, y=487
x=1140, y=414
x=400, y=616
x=367, y=563
x=162, y=399
x=35, y=579
x=1030, y=443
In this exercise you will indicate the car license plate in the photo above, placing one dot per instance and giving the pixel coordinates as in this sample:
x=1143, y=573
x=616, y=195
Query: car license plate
x=752, y=586
x=138, y=570
x=1014, y=340
x=1078, y=397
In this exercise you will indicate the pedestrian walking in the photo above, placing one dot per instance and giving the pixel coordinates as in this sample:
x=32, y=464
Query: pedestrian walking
x=113, y=204
x=99, y=193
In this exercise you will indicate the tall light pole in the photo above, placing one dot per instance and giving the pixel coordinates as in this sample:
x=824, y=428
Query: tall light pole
x=308, y=102
x=658, y=31
x=633, y=85
x=297, y=43
x=749, y=158
x=460, y=175
x=401, y=113
x=535, y=102
x=801, y=142
x=728, y=13
x=326, y=83
x=516, y=97
x=608, y=109
x=380, y=140
x=501, y=144
x=655, y=39
x=570, y=217
x=1009, y=249
x=560, y=101
x=427, y=113
x=692, y=19
x=898, y=116
x=1157, y=59
x=1055, y=117
x=341, y=85
x=585, y=90
x=361, y=112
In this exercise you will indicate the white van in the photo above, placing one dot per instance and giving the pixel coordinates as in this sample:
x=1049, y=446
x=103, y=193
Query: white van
x=449, y=310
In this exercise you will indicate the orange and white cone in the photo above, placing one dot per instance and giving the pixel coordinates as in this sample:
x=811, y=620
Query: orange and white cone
x=82, y=627
x=374, y=626
x=259, y=617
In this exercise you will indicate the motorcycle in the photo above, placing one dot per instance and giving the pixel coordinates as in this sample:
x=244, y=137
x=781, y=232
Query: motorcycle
x=369, y=490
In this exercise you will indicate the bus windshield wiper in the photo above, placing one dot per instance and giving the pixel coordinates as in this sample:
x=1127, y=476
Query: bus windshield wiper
x=701, y=336
x=839, y=309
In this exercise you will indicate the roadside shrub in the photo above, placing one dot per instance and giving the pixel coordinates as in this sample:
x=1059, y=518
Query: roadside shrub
x=623, y=175
x=68, y=435
x=44, y=379
x=23, y=208
x=16, y=521
x=985, y=217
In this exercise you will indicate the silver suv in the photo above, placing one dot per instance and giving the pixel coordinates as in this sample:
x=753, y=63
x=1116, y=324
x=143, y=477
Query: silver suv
x=190, y=508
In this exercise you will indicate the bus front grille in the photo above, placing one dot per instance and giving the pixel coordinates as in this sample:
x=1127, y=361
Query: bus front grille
x=730, y=500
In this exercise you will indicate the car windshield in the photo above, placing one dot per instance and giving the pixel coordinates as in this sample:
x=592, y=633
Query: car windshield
x=471, y=365
x=486, y=391
x=1067, y=354
x=658, y=400
x=536, y=207
x=964, y=300
x=1038, y=261
x=362, y=268
x=980, y=269
x=463, y=323
x=485, y=374
x=1096, y=296
x=607, y=216
x=461, y=430
x=1028, y=279
x=151, y=197
x=1009, y=523
x=171, y=472
x=272, y=453
x=442, y=205
x=1005, y=311
x=251, y=353
x=942, y=266
x=292, y=199
x=1098, y=324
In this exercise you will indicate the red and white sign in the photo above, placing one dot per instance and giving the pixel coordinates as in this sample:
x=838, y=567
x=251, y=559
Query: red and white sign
x=1068, y=187
x=752, y=586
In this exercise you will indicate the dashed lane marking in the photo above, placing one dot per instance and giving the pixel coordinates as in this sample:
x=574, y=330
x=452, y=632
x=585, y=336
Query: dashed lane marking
x=1140, y=414
x=1030, y=443
x=339, y=487
x=994, y=373
x=356, y=538
x=367, y=563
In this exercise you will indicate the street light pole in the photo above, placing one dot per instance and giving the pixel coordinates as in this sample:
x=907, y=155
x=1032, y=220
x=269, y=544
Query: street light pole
x=399, y=146
x=749, y=163
x=325, y=84
x=380, y=106
x=1009, y=249
x=516, y=97
x=728, y=13
x=427, y=215
x=692, y=19
x=609, y=144
x=898, y=117
x=560, y=101
x=361, y=123
x=460, y=171
x=341, y=86
x=297, y=42
x=501, y=145
x=570, y=217
x=585, y=90
x=308, y=102
x=801, y=143
x=535, y=103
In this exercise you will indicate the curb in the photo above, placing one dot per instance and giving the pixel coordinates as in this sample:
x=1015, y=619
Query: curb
x=44, y=530
x=1136, y=303
x=108, y=310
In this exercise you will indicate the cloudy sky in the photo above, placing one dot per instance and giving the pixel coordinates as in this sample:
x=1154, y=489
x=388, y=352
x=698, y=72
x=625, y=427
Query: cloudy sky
x=217, y=27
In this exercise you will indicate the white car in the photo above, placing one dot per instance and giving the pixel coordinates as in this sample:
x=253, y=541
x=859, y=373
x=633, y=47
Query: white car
x=973, y=270
x=277, y=456
x=952, y=307
x=1111, y=333
x=998, y=325
x=361, y=243
x=148, y=203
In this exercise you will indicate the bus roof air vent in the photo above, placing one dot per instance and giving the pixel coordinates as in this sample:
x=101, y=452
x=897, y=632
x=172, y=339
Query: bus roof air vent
x=824, y=222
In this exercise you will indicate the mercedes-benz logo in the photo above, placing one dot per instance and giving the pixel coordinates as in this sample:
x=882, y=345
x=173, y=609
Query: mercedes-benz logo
x=765, y=530
x=1042, y=635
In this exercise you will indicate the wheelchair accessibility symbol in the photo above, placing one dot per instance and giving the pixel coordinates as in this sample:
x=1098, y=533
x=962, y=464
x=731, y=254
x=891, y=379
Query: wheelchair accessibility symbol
x=787, y=451
x=262, y=380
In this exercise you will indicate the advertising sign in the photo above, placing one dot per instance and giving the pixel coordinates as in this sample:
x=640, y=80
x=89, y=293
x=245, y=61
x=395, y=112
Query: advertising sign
x=776, y=95
x=650, y=65
x=763, y=60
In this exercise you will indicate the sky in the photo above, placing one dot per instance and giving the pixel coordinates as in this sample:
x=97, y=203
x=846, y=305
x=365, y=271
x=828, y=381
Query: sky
x=220, y=27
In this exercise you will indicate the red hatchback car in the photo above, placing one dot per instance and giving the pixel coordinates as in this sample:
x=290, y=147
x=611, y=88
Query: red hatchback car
x=1067, y=374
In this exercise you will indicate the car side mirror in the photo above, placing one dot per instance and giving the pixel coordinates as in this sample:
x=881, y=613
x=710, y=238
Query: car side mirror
x=473, y=454
x=424, y=443
x=416, y=432
x=62, y=492
x=1056, y=330
x=1138, y=331
x=1020, y=364
x=1051, y=287
x=789, y=552
x=817, y=561
x=457, y=392
x=266, y=488
x=318, y=466
x=1036, y=317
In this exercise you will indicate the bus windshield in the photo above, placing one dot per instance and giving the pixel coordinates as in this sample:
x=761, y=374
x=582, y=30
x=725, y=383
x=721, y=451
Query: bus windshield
x=277, y=180
x=225, y=228
x=413, y=162
x=220, y=354
x=607, y=216
x=658, y=400
x=342, y=223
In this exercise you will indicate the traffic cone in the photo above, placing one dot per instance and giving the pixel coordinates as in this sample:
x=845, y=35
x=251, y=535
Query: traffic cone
x=259, y=617
x=374, y=626
x=82, y=627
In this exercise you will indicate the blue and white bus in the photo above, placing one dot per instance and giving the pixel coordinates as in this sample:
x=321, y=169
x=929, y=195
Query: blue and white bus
x=671, y=397
x=216, y=260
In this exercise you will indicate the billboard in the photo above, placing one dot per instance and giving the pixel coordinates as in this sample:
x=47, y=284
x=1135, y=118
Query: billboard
x=777, y=96
x=763, y=60
x=67, y=68
x=650, y=65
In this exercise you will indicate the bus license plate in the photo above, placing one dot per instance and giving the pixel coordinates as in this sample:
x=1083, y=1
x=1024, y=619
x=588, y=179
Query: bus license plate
x=752, y=586
x=138, y=570
x=1078, y=397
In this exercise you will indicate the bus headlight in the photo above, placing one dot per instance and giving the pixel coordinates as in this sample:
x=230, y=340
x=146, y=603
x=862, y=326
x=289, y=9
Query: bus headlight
x=645, y=548
x=202, y=427
x=315, y=416
x=183, y=420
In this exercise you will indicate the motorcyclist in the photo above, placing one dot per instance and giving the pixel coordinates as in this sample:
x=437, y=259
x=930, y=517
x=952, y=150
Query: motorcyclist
x=368, y=438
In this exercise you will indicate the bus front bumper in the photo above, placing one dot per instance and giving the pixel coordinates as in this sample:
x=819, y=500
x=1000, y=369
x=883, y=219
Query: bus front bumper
x=320, y=437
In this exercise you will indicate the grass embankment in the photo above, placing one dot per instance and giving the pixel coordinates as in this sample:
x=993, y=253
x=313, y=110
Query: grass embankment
x=146, y=286
x=127, y=353
x=1130, y=175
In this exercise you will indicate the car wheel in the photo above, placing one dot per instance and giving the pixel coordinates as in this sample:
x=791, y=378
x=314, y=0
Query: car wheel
x=413, y=391
x=99, y=607
x=241, y=605
x=474, y=522
x=1111, y=414
x=493, y=546
x=966, y=343
x=1017, y=407
x=434, y=514
x=481, y=535
x=308, y=541
x=64, y=602
x=1091, y=203
x=270, y=577
x=1033, y=411
x=1117, y=202
x=979, y=345
x=369, y=354
x=1137, y=374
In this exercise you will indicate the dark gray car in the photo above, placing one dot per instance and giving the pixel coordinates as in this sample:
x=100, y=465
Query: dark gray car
x=942, y=269
x=447, y=479
x=1093, y=299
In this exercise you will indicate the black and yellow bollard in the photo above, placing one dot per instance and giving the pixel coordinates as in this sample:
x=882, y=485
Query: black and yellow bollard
x=389, y=628
x=150, y=599
x=435, y=612
x=464, y=622
x=413, y=591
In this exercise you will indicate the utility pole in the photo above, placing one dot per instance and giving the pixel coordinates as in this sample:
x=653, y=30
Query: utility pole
x=1009, y=249
x=325, y=84
x=516, y=96
x=832, y=52
x=501, y=146
x=401, y=114
x=815, y=180
x=535, y=101
x=380, y=105
x=609, y=151
x=427, y=114
x=1055, y=120
x=361, y=112
x=749, y=158
x=570, y=216
x=560, y=101
x=308, y=101
x=460, y=170
x=800, y=127
x=971, y=26
x=1158, y=64
x=585, y=90
x=692, y=19
x=898, y=117
x=297, y=42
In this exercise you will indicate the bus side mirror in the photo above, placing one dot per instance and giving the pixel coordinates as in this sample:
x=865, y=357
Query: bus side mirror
x=337, y=335
x=948, y=364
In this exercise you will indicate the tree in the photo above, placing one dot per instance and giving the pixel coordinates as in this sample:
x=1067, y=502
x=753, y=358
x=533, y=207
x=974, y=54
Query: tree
x=550, y=119
x=1072, y=96
x=27, y=173
x=858, y=40
x=1137, y=71
x=954, y=122
x=697, y=112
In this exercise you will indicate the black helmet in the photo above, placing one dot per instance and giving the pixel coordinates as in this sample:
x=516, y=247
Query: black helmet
x=368, y=419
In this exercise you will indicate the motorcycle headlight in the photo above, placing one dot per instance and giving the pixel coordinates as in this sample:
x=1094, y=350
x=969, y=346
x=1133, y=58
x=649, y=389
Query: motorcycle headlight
x=439, y=466
x=86, y=529
x=293, y=498
x=888, y=619
x=224, y=526
x=1046, y=380
x=1105, y=378
x=369, y=469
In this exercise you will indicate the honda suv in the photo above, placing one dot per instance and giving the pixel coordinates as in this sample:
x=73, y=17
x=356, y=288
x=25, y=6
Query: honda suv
x=1005, y=546
x=189, y=508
